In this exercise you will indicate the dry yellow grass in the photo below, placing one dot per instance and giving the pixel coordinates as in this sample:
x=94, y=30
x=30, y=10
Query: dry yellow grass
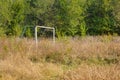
x=88, y=58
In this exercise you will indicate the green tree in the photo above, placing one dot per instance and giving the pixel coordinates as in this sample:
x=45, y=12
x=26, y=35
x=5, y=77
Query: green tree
x=116, y=13
x=69, y=16
x=12, y=16
x=99, y=17
x=5, y=16
x=36, y=11
x=60, y=17
x=76, y=17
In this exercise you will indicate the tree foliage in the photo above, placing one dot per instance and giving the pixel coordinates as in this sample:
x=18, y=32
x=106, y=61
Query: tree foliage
x=12, y=16
x=69, y=17
x=100, y=18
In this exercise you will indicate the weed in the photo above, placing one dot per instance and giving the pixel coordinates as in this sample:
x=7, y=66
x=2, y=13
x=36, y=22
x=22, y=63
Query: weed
x=88, y=58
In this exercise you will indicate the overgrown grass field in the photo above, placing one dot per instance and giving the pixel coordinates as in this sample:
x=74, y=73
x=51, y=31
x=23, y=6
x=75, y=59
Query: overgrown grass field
x=86, y=58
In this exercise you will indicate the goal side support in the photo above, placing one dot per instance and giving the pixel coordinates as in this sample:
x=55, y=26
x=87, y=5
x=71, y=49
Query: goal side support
x=36, y=39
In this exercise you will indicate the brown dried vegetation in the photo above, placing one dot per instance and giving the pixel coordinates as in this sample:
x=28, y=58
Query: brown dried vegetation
x=88, y=58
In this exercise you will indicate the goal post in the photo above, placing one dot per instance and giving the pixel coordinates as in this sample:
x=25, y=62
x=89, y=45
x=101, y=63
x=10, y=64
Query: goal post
x=51, y=28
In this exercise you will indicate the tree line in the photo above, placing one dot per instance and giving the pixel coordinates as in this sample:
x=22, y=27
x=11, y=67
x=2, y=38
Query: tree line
x=69, y=17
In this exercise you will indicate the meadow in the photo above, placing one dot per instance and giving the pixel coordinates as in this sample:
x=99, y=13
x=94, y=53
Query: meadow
x=80, y=58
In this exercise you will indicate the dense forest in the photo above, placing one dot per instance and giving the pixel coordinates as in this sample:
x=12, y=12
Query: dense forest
x=69, y=17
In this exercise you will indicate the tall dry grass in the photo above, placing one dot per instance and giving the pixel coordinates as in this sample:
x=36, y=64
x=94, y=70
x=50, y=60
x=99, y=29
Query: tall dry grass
x=88, y=58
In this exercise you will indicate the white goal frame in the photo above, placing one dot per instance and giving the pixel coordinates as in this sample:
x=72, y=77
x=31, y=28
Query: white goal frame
x=52, y=28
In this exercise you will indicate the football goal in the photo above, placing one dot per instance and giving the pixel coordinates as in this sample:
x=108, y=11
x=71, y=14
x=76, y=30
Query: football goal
x=36, y=32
